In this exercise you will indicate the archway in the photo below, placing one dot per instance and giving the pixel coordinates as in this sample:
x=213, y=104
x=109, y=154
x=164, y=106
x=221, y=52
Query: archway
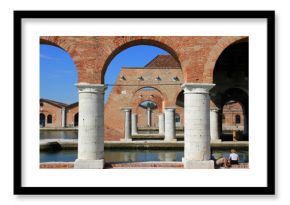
x=58, y=74
x=235, y=103
x=147, y=112
x=231, y=75
x=137, y=83
x=233, y=121
x=137, y=42
x=42, y=120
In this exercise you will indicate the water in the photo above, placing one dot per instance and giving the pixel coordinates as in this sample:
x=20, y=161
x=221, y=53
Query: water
x=123, y=156
x=56, y=134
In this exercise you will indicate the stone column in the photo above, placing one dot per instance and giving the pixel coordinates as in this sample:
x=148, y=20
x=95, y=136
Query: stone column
x=134, y=124
x=127, y=124
x=214, y=129
x=161, y=124
x=148, y=116
x=197, y=126
x=91, y=126
x=170, y=124
x=63, y=117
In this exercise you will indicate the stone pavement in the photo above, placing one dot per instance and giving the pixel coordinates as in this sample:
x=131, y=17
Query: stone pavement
x=134, y=165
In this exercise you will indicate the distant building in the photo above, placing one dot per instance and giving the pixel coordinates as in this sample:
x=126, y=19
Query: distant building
x=55, y=114
x=232, y=117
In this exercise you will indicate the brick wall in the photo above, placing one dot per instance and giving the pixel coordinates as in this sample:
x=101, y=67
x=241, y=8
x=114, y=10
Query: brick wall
x=53, y=110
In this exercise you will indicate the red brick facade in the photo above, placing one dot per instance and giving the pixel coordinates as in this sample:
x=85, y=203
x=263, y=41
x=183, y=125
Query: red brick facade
x=196, y=55
x=193, y=60
x=50, y=113
x=160, y=84
x=233, y=117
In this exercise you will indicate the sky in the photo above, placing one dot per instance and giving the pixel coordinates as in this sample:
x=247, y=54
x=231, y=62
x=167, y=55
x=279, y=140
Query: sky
x=58, y=74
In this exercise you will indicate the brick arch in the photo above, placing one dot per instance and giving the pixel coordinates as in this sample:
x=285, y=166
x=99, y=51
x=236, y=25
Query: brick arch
x=178, y=95
x=158, y=99
x=83, y=51
x=118, y=44
x=63, y=44
x=215, y=53
x=156, y=88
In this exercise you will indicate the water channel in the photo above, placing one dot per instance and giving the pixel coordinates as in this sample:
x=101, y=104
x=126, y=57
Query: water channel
x=123, y=155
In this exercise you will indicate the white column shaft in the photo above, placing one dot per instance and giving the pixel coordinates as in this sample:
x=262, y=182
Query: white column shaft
x=127, y=124
x=90, y=126
x=161, y=124
x=148, y=117
x=169, y=124
x=214, y=131
x=197, y=125
x=63, y=117
x=134, y=124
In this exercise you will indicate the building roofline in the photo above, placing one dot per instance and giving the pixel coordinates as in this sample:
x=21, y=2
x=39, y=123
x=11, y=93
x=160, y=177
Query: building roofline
x=53, y=102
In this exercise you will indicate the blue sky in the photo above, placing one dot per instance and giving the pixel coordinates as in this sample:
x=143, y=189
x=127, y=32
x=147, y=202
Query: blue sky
x=58, y=74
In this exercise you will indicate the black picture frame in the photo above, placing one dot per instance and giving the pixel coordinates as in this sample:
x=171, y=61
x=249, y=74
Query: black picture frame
x=268, y=190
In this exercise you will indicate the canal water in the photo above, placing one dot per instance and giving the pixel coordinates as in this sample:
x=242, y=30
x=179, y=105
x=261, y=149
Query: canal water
x=123, y=156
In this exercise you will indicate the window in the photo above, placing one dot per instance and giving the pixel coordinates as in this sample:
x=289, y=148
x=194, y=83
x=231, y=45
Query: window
x=148, y=104
x=49, y=119
x=42, y=120
x=238, y=119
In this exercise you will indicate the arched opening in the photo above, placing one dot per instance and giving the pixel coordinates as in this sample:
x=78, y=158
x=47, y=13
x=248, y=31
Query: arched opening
x=180, y=99
x=58, y=75
x=49, y=119
x=137, y=74
x=231, y=75
x=233, y=123
x=149, y=43
x=42, y=120
x=147, y=112
x=76, y=120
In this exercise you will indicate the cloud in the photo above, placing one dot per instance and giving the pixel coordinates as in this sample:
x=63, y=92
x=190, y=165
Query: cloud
x=43, y=56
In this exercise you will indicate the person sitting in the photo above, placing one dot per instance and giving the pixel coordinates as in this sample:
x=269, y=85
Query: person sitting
x=234, y=157
x=220, y=161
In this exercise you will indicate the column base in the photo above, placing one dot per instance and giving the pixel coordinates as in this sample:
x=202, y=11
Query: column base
x=193, y=164
x=89, y=164
x=170, y=140
x=215, y=140
x=126, y=140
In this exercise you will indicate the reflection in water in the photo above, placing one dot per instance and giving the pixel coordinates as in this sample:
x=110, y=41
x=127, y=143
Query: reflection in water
x=123, y=156
x=56, y=134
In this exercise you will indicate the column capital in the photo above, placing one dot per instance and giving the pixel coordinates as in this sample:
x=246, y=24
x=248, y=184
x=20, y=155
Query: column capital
x=214, y=109
x=197, y=87
x=126, y=109
x=170, y=109
x=91, y=88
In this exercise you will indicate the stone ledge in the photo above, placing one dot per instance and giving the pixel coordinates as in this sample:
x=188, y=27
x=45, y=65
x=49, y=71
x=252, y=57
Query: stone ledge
x=133, y=165
x=193, y=164
x=89, y=164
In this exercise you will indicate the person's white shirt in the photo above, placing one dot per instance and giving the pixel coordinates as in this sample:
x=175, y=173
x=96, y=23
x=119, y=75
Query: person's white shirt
x=234, y=156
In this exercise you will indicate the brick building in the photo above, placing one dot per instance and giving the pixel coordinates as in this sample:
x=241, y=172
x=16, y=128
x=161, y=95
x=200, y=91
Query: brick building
x=157, y=83
x=51, y=113
x=214, y=71
x=233, y=117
